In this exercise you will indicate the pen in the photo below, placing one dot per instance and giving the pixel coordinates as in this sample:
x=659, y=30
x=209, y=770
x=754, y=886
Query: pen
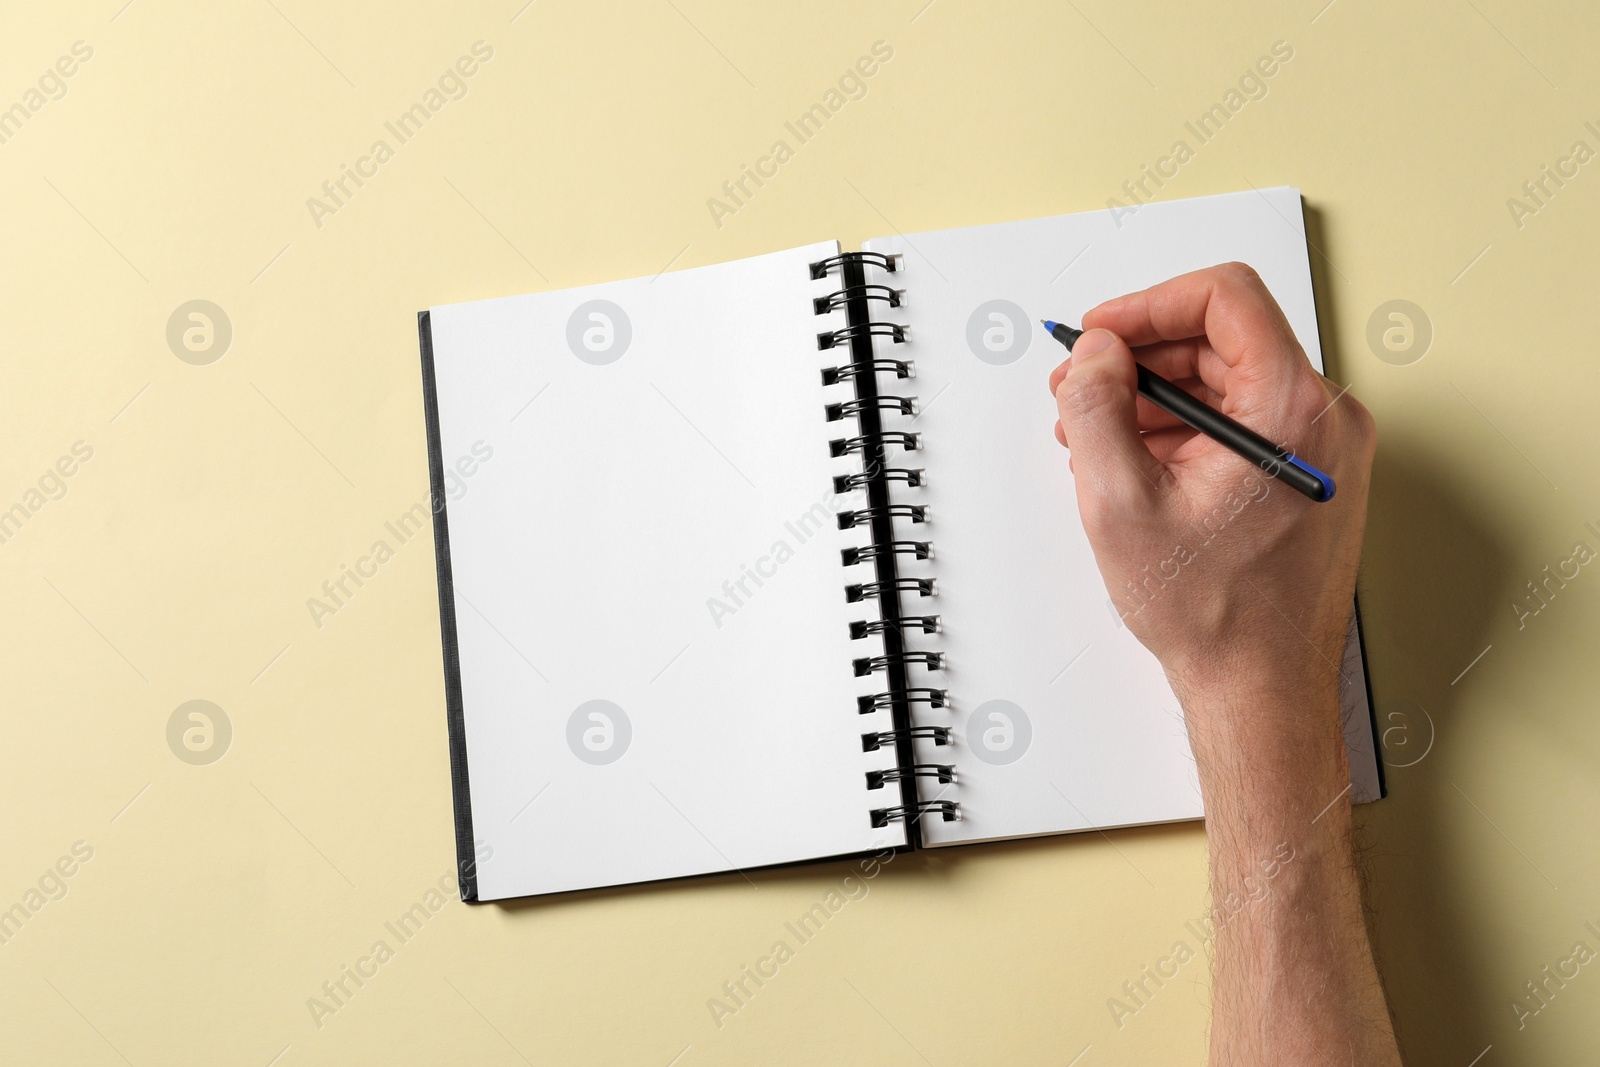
x=1278, y=462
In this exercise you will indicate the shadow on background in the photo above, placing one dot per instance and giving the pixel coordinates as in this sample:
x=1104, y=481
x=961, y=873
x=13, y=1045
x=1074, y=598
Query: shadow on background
x=1441, y=572
x=1432, y=577
x=927, y=865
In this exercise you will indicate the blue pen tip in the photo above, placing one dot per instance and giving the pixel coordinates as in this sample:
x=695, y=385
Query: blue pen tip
x=1327, y=482
x=1049, y=326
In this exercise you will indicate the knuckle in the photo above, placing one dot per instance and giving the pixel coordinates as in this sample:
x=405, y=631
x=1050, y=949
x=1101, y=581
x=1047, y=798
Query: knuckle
x=1311, y=394
x=1242, y=275
x=1086, y=391
x=1101, y=511
x=1363, y=424
x=1095, y=385
x=1115, y=494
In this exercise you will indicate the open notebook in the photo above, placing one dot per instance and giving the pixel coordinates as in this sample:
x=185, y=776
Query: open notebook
x=778, y=560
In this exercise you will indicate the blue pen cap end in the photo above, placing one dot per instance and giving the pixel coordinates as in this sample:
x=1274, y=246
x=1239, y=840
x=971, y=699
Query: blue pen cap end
x=1327, y=482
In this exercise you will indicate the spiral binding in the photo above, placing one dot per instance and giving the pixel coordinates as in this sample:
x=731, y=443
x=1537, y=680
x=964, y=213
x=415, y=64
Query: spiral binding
x=934, y=698
x=854, y=594
x=835, y=301
x=820, y=269
x=834, y=338
x=919, y=549
x=914, y=512
x=942, y=771
x=845, y=446
x=902, y=368
x=949, y=809
x=855, y=297
x=871, y=742
x=866, y=665
x=912, y=476
x=905, y=405
x=928, y=624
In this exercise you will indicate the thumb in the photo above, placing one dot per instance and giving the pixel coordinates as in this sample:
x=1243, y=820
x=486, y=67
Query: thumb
x=1096, y=404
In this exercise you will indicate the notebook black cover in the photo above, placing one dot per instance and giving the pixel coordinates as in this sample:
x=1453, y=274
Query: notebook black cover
x=461, y=794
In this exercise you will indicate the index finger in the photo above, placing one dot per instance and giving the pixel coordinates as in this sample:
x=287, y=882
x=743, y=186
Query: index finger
x=1227, y=304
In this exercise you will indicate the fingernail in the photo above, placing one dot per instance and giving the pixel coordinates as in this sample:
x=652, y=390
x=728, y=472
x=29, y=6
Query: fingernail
x=1092, y=342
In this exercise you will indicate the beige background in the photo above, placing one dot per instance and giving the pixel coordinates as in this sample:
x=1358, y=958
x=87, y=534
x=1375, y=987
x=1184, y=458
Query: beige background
x=177, y=565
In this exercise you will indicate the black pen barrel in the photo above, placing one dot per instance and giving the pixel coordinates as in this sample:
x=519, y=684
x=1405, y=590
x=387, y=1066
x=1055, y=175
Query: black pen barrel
x=1214, y=424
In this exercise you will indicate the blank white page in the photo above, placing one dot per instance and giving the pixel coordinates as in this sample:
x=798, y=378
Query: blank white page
x=605, y=552
x=1062, y=720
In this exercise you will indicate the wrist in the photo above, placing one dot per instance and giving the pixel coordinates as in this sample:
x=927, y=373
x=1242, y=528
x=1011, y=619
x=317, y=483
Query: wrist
x=1245, y=670
x=1259, y=699
x=1269, y=751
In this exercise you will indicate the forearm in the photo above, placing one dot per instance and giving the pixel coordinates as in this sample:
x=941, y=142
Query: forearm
x=1249, y=638
x=1294, y=980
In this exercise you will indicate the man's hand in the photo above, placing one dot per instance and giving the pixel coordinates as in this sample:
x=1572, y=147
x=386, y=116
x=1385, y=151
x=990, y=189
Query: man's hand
x=1208, y=558
x=1243, y=589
